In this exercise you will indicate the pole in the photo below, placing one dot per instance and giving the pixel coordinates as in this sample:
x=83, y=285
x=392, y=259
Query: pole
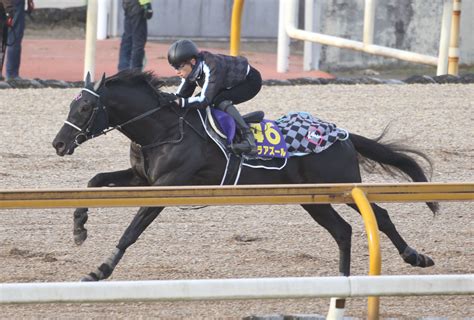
x=453, y=57
x=369, y=20
x=372, y=230
x=283, y=50
x=444, y=38
x=235, y=27
x=312, y=50
x=91, y=37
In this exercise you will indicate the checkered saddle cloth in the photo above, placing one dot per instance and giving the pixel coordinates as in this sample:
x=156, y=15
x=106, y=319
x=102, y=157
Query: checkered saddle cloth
x=306, y=134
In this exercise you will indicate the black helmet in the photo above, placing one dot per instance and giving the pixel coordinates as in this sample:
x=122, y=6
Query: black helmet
x=182, y=51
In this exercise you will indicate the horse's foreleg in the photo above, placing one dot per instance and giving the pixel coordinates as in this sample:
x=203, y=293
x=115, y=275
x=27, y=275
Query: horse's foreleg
x=409, y=255
x=140, y=222
x=120, y=178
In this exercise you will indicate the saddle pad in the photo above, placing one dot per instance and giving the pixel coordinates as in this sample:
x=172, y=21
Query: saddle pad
x=305, y=133
x=269, y=140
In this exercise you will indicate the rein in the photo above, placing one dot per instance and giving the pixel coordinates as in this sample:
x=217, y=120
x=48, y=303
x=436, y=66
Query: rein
x=100, y=107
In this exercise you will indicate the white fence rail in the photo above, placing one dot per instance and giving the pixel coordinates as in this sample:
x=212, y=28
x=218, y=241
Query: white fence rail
x=288, y=28
x=221, y=289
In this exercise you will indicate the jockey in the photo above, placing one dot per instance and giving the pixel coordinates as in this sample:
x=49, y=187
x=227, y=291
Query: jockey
x=224, y=81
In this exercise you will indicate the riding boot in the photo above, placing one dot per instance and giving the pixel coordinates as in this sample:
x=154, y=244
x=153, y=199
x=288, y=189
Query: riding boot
x=247, y=145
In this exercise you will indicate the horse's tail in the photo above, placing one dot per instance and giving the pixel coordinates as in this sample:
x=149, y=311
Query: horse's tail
x=392, y=156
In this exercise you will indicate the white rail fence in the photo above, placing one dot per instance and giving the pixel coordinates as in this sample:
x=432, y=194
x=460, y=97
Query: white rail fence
x=288, y=28
x=237, y=289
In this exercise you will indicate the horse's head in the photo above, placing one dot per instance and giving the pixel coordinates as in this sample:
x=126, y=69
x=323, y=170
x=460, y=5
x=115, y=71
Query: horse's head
x=119, y=102
x=87, y=117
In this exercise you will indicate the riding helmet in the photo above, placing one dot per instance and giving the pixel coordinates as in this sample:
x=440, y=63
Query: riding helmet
x=182, y=51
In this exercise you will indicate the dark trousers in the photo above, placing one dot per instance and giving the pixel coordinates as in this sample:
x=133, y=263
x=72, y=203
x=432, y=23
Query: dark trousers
x=15, y=37
x=243, y=91
x=3, y=39
x=132, y=46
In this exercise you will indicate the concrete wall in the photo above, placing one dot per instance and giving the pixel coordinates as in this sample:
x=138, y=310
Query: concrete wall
x=404, y=24
x=413, y=25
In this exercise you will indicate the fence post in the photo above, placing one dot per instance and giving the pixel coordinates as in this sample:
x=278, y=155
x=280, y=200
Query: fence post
x=372, y=230
x=453, y=57
x=235, y=27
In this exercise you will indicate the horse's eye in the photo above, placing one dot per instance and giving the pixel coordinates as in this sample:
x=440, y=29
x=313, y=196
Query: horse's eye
x=85, y=108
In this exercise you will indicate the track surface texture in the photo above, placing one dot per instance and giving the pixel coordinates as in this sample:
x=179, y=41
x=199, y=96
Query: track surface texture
x=236, y=242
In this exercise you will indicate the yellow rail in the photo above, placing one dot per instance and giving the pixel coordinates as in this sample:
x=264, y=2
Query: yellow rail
x=360, y=194
x=375, y=260
x=235, y=27
x=232, y=195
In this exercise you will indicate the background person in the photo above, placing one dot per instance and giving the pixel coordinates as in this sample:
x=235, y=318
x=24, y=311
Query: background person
x=15, y=38
x=132, y=45
x=7, y=11
x=224, y=81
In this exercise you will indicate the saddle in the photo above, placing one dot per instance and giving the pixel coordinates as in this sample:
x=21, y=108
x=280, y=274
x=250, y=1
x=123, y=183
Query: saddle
x=269, y=139
x=295, y=134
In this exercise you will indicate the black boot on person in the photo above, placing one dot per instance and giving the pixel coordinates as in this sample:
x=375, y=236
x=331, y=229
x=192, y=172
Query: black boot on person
x=247, y=145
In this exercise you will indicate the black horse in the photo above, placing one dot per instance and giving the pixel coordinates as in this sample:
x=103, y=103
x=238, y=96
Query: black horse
x=170, y=147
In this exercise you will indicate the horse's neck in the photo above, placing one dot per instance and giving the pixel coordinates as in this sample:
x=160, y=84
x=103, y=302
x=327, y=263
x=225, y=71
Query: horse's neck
x=160, y=126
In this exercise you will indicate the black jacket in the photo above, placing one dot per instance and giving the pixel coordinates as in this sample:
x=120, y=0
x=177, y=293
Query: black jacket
x=132, y=7
x=7, y=6
x=213, y=73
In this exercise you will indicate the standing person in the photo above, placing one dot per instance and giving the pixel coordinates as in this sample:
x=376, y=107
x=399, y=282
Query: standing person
x=132, y=46
x=7, y=11
x=224, y=81
x=15, y=38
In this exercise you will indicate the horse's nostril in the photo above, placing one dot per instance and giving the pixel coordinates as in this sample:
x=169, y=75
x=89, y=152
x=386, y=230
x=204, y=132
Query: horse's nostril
x=58, y=145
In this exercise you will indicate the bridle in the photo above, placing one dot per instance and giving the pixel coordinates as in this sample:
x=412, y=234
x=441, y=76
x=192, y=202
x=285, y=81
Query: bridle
x=100, y=110
x=88, y=132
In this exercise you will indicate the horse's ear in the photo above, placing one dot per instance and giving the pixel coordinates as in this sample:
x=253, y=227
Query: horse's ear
x=87, y=82
x=99, y=83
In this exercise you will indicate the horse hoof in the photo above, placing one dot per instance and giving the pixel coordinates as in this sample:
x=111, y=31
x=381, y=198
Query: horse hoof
x=88, y=278
x=428, y=262
x=80, y=236
x=416, y=259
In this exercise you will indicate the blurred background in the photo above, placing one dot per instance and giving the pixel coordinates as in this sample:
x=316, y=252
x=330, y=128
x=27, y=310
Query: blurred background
x=412, y=25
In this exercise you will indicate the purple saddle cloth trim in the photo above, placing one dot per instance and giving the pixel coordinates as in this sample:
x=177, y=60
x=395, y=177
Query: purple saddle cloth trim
x=226, y=123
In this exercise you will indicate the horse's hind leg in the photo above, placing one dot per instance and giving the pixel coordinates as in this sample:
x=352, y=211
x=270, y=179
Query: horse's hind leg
x=341, y=231
x=120, y=178
x=140, y=222
x=386, y=225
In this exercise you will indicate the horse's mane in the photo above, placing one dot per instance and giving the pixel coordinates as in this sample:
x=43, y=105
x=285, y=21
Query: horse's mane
x=133, y=76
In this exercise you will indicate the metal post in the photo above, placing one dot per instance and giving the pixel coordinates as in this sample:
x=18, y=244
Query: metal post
x=235, y=27
x=375, y=259
x=283, y=50
x=444, y=38
x=114, y=16
x=102, y=19
x=453, y=56
x=369, y=18
x=91, y=37
x=312, y=50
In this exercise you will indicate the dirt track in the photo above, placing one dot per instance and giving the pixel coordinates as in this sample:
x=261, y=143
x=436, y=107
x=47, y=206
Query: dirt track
x=225, y=242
